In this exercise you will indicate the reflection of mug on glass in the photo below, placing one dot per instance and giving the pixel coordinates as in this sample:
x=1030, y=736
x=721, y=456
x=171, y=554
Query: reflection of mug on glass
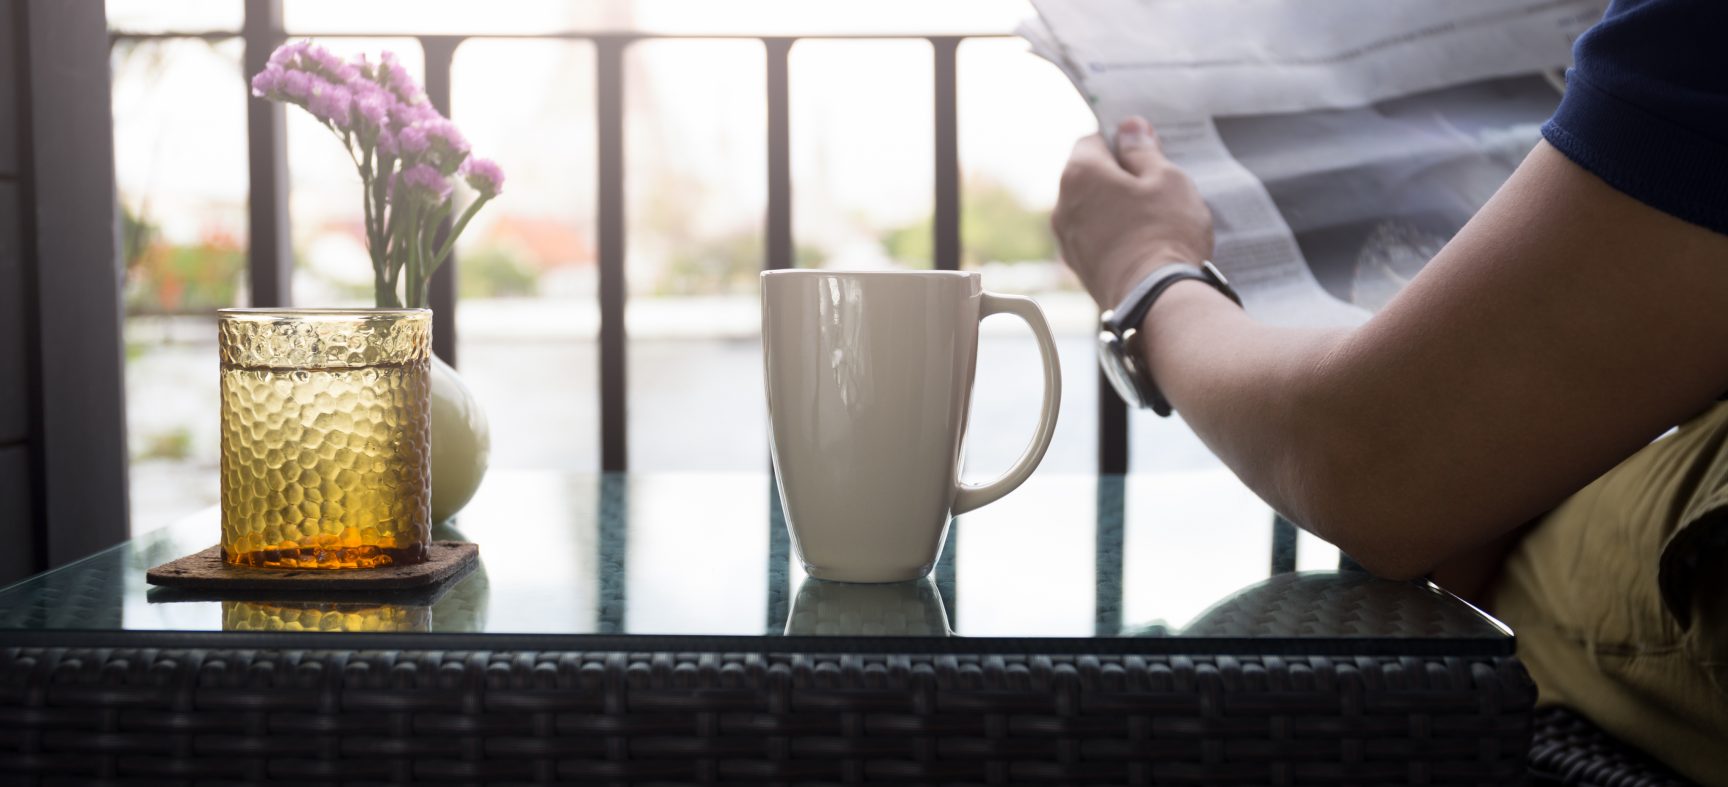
x=889, y=609
x=869, y=378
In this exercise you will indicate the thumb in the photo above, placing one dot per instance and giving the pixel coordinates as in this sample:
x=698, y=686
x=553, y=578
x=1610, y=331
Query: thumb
x=1137, y=146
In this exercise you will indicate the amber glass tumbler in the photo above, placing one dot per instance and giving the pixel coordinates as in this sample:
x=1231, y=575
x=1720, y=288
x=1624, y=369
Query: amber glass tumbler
x=325, y=437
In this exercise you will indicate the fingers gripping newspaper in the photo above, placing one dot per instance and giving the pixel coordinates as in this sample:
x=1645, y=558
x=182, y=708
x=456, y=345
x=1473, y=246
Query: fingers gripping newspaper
x=1339, y=143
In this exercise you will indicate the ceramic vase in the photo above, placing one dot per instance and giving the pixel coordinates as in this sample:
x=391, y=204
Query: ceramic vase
x=461, y=442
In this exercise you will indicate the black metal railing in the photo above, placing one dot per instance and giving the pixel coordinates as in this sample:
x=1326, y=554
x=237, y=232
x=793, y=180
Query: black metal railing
x=270, y=258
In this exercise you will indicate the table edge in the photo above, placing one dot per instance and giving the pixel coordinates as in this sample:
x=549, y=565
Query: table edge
x=769, y=645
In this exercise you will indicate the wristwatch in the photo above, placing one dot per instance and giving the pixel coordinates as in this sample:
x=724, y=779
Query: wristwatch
x=1119, y=332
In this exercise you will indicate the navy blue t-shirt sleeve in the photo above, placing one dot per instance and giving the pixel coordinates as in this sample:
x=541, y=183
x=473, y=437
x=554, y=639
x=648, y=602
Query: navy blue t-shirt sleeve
x=1646, y=106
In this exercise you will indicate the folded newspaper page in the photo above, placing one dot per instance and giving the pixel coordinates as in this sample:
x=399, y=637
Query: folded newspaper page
x=1339, y=143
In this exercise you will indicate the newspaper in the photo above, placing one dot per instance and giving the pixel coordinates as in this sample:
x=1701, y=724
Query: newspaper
x=1339, y=143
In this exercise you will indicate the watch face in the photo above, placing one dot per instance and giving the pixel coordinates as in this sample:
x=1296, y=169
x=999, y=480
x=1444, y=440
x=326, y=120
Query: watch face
x=1111, y=360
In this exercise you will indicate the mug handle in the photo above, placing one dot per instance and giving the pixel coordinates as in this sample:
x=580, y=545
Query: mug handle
x=972, y=496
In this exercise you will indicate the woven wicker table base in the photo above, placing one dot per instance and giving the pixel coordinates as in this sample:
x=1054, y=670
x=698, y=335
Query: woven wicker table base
x=207, y=571
x=517, y=715
x=1570, y=750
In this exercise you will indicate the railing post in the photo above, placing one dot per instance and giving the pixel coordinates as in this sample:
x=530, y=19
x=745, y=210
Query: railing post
x=948, y=574
x=1107, y=602
x=269, y=256
x=779, y=562
x=781, y=252
x=947, y=219
x=613, y=539
x=1283, y=544
x=441, y=296
x=780, y=255
x=946, y=244
x=1112, y=429
x=609, y=120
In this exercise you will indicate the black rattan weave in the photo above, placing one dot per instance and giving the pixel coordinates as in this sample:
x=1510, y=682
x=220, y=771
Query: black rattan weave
x=150, y=715
x=1570, y=750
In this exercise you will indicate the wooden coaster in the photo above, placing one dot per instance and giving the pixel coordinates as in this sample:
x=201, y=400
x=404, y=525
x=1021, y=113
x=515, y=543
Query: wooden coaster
x=207, y=570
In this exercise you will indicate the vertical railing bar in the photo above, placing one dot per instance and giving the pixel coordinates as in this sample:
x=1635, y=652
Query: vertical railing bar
x=440, y=52
x=1112, y=429
x=609, y=119
x=947, y=219
x=269, y=270
x=611, y=611
x=946, y=245
x=1107, y=603
x=780, y=254
x=1283, y=544
x=779, y=563
x=947, y=574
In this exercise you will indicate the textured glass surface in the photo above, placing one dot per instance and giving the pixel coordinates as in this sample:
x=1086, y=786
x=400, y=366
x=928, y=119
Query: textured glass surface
x=708, y=554
x=325, y=437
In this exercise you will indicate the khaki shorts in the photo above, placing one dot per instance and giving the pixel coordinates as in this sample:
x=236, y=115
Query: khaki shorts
x=1619, y=598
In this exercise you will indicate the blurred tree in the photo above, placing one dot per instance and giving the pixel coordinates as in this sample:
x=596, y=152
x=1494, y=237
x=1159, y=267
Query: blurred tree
x=702, y=261
x=174, y=445
x=166, y=278
x=728, y=264
x=492, y=272
x=136, y=234
x=995, y=226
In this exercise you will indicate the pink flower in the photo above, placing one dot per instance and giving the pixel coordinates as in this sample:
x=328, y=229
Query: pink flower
x=422, y=181
x=332, y=104
x=268, y=83
x=405, y=115
x=333, y=66
x=444, y=133
x=412, y=141
x=296, y=85
x=303, y=55
x=399, y=142
x=289, y=52
x=392, y=75
x=371, y=103
x=484, y=176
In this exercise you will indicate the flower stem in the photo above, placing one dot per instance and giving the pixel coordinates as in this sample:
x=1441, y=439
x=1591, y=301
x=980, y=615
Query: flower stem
x=456, y=231
x=428, y=232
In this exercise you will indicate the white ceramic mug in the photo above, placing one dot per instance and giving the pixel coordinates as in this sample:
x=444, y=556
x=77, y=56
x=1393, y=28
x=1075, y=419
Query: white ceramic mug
x=869, y=378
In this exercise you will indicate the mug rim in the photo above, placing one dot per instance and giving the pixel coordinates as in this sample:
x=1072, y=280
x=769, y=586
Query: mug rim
x=791, y=273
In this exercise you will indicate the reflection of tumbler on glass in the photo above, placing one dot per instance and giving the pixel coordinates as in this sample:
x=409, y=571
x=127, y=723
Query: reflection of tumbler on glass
x=325, y=616
x=325, y=437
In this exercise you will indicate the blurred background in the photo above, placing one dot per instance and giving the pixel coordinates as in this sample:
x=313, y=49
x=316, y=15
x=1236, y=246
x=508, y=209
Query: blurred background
x=861, y=155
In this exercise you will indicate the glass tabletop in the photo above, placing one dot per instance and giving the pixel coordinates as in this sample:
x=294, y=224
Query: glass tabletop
x=1107, y=557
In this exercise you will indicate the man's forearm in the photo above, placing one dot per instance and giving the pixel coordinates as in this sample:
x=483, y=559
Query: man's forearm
x=1562, y=329
x=1259, y=396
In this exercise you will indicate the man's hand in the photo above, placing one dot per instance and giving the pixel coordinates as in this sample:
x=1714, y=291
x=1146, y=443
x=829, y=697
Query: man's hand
x=1118, y=218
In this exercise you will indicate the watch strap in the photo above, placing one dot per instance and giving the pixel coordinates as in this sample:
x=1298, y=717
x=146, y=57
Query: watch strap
x=1133, y=309
x=1127, y=316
